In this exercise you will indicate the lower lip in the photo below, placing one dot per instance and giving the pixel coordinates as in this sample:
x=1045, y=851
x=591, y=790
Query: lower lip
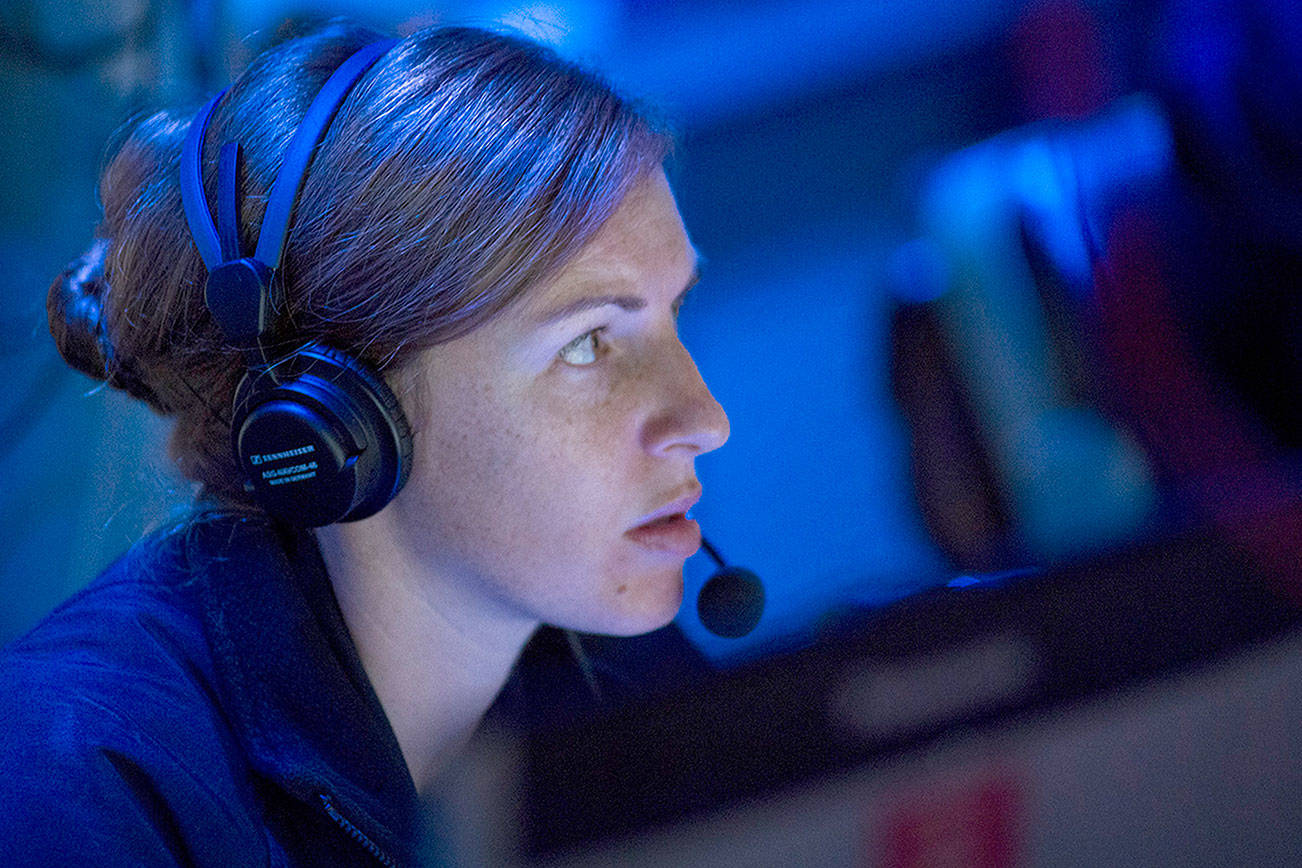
x=678, y=536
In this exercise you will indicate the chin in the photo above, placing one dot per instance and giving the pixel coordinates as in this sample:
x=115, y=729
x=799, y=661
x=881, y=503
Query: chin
x=644, y=623
x=648, y=604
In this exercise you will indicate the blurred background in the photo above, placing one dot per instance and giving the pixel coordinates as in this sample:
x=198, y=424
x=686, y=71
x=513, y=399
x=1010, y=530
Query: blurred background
x=988, y=285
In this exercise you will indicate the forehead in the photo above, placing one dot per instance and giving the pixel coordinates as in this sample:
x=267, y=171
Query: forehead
x=643, y=246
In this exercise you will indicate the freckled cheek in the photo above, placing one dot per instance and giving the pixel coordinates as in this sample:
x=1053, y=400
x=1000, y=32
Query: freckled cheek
x=573, y=464
x=461, y=449
x=558, y=463
x=595, y=428
x=521, y=452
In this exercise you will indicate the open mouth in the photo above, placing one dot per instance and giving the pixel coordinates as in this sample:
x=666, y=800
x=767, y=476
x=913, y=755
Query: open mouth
x=675, y=534
x=668, y=519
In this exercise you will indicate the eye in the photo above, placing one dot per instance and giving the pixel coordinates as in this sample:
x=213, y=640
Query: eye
x=582, y=350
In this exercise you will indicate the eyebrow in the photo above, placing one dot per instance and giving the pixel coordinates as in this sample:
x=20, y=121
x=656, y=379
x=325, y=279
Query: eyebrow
x=629, y=303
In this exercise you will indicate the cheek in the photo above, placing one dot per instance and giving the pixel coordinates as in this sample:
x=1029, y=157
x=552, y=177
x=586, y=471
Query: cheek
x=526, y=475
x=527, y=493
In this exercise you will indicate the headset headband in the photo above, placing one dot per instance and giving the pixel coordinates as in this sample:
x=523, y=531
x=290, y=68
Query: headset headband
x=243, y=312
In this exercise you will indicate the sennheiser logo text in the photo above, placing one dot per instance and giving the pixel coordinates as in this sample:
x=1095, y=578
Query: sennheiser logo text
x=276, y=456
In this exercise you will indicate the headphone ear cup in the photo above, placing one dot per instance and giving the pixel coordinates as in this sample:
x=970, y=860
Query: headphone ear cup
x=320, y=438
x=391, y=416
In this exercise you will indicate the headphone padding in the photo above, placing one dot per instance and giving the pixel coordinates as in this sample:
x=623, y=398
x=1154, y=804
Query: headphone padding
x=388, y=401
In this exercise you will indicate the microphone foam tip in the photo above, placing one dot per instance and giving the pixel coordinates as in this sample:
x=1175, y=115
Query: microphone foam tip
x=731, y=602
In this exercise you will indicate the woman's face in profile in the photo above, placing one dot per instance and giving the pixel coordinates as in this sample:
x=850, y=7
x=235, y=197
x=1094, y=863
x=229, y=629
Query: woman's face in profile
x=544, y=436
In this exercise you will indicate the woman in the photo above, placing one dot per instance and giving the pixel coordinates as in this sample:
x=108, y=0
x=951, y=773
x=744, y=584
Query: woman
x=483, y=229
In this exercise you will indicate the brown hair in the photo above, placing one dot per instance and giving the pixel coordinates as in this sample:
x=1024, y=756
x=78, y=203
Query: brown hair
x=464, y=168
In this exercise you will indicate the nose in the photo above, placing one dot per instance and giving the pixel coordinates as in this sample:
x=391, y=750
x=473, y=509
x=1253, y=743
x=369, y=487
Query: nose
x=687, y=418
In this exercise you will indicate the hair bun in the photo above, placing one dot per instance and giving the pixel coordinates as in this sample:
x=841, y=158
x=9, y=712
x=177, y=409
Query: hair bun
x=74, y=306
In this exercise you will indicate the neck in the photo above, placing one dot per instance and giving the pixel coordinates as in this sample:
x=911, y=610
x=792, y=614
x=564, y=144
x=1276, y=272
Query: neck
x=436, y=657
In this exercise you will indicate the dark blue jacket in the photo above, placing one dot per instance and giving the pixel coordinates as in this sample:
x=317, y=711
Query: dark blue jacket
x=201, y=703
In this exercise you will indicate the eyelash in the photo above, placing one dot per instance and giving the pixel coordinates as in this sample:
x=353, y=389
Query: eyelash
x=598, y=347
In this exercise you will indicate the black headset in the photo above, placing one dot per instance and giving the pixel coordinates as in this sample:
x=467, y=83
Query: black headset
x=318, y=435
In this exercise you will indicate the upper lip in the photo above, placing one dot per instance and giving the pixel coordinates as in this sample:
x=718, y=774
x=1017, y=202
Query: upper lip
x=674, y=507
